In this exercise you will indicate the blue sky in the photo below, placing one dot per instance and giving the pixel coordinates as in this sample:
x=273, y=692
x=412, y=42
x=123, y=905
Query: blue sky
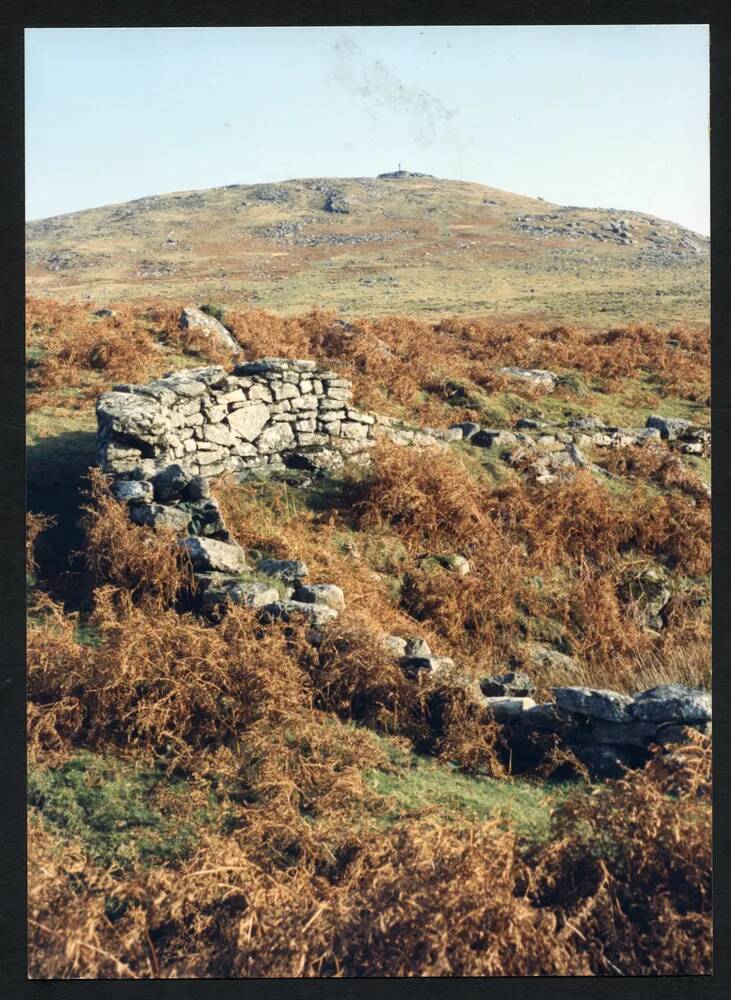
x=613, y=116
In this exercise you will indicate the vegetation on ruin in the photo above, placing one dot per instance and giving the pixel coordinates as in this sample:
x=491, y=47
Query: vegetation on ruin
x=221, y=800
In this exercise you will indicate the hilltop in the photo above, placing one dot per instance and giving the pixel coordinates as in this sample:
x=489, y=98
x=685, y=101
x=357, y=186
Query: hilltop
x=401, y=242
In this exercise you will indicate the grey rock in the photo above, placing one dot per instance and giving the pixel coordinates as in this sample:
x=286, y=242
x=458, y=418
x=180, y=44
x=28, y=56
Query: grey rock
x=250, y=594
x=487, y=438
x=197, y=489
x=587, y=423
x=467, y=428
x=603, y=761
x=275, y=438
x=633, y=734
x=288, y=570
x=158, y=516
x=395, y=645
x=513, y=684
x=211, y=554
x=418, y=647
x=672, y=703
x=321, y=593
x=545, y=659
x=210, y=328
x=528, y=424
x=413, y=666
x=676, y=732
x=669, y=427
x=249, y=420
x=317, y=614
x=504, y=709
x=545, y=716
x=594, y=703
x=130, y=490
x=170, y=483
x=132, y=416
x=534, y=376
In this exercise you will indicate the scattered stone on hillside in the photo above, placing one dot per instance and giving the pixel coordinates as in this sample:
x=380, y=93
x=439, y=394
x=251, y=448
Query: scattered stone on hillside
x=159, y=516
x=513, y=684
x=414, y=666
x=321, y=593
x=219, y=590
x=104, y=313
x=486, y=438
x=395, y=175
x=467, y=428
x=669, y=427
x=587, y=422
x=336, y=201
x=317, y=614
x=507, y=709
x=594, y=703
x=538, y=377
x=211, y=554
x=395, y=645
x=418, y=647
x=288, y=570
x=529, y=424
x=650, y=592
x=456, y=563
x=132, y=490
x=208, y=327
x=671, y=703
x=272, y=193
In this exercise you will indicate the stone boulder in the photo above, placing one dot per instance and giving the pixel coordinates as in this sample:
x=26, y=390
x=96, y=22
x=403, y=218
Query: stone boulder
x=316, y=614
x=160, y=516
x=603, y=761
x=218, y=590
x=504, y=709
x=594, y=703
x=671, y=703
x=209, y=554
x=290, y=571
x=170, y=483
x=321, y=593
x=130, y=490
x=538, y=377
x=513, y=684
x=208, y=326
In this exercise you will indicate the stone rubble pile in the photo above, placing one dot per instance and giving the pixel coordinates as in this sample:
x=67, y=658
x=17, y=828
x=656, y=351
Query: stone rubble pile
x=547, y=452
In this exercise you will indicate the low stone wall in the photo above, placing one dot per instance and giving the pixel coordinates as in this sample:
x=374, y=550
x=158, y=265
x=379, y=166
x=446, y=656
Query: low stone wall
x=209, y=421
x=164, y=441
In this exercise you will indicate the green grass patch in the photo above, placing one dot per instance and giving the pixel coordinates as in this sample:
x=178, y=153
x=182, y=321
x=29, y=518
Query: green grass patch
x=415, y=783
x=124, y=815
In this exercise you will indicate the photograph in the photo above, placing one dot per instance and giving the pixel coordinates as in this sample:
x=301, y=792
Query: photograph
x=368, y=502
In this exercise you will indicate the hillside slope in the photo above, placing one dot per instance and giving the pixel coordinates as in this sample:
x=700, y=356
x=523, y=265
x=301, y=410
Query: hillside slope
x=405, y=243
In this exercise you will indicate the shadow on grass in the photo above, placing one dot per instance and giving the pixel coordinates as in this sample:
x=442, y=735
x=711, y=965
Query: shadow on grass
x=56, y=466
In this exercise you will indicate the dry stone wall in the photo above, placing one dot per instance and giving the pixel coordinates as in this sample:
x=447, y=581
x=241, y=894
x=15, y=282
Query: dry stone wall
x=210, y=421
x=163, y=442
